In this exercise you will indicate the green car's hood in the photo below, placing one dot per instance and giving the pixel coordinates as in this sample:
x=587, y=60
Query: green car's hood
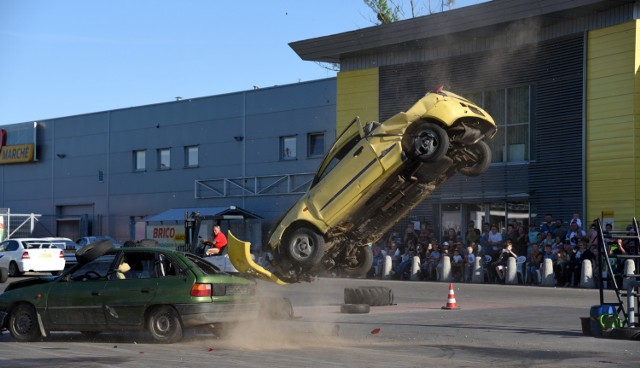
x=29, y=282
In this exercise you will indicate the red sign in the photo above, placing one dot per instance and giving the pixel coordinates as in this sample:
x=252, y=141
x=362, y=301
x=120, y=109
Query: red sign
x=3, y=138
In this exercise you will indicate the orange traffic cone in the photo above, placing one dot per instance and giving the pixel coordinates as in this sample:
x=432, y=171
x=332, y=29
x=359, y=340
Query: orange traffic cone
x=451, y=300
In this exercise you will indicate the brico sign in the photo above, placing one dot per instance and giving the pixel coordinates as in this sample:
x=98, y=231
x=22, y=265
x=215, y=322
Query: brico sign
x=15, y=153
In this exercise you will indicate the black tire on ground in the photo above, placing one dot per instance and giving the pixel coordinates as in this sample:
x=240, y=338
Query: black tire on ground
x=370, y=295
x=14, y=270
x=276, y=308
x=625, y=333
x=23, y=323
x=92, y=251
x=164, y=325
x=478, y=159
x=304, y=247
x=4, y=275
x=425, y=141
x=56, y=273
x=355, y=308
x=364, y=257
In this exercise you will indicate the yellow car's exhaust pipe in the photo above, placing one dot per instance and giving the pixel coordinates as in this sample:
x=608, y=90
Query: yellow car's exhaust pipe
x=240, y=256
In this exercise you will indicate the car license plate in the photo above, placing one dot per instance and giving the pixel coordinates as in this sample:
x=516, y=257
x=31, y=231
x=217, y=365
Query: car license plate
x=45, y=255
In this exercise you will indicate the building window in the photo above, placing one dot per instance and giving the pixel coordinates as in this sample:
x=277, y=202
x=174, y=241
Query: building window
x=164, y=159
x=140, y=160
x=191, y=156
x=288, y=148
x=315, y=144
x=510, y=109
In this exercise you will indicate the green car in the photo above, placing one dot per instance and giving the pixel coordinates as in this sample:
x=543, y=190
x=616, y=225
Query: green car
x=158, y=290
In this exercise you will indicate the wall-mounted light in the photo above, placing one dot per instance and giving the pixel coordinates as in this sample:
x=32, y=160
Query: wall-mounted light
x=238, y=138
x=61, y=155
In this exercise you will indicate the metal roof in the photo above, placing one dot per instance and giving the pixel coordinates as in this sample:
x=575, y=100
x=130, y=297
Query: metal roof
x=489, y=16
x=207, y=213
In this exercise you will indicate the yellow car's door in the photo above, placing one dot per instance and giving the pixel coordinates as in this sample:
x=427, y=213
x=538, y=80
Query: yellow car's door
x=349, y=168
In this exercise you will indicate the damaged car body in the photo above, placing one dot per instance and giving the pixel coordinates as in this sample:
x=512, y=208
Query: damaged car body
x=158, y=290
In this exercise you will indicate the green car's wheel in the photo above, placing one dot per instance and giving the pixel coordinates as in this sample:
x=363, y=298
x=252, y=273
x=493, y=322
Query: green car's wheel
x=362, y=263
x=23, y=323
x=475, y=159
x=163, y=323
x=425, y=141
x=304, y=247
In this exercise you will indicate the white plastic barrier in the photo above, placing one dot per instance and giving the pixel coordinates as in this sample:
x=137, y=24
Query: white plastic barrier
x=511, y=273
x=629, y=270
x=548, y=277
x=478, y=272
x=586, y=276
x=415, y=268
x=445, y=273
x=386, y=267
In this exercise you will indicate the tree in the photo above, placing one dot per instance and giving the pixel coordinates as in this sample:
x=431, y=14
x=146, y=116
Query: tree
x=389, y=11
x=385, y=13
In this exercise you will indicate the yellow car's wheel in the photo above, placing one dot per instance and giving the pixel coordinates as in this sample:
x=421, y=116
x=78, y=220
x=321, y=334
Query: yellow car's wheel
x=425, y=141
x=475, y=159
x=304, y=247
x=361, y=264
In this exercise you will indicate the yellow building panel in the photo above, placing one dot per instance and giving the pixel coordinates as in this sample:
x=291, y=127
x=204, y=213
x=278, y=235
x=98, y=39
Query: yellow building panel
x=357, y=95
x=613, y=129
x=612, y=85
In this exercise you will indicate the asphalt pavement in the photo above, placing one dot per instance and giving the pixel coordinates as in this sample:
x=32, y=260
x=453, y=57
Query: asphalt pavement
x=495, y=326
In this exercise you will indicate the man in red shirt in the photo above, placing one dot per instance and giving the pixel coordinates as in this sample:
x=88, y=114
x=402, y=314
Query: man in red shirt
x=219, y=241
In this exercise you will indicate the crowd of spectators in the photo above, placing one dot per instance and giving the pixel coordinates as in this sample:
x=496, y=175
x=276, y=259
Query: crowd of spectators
x=566, y=245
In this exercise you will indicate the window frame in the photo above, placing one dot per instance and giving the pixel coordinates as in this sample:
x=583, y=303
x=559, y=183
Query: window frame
x=187, y=156
x=161, y=162
x=136, y=160
x=283, y=147
x=310, y=146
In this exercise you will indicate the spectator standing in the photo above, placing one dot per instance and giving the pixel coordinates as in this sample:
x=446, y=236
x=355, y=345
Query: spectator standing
x=575, y=234
x=521, y=241
x=457, y=265
x=494, y=241
x=430, y=264
x=576, y=220
x=410, y=234
x=469, y=263
x=532, y=235
x=534, y=261
x=547, y=226
x=560, y=229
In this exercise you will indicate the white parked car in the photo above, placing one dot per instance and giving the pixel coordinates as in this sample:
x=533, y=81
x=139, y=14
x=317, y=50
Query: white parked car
x=20, y=255
x=69, y=247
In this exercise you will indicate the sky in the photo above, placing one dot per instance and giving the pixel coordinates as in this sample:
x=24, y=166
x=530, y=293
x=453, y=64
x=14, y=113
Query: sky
x=70, y=57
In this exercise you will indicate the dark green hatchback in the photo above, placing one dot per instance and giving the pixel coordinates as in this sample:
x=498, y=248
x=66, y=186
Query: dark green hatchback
x=160, y=290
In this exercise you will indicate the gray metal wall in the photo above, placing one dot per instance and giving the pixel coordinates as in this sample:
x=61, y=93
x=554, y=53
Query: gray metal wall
x=104, y=143
x=553, y=180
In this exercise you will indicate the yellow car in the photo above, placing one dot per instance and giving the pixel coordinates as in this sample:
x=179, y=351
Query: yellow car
x=374, y=174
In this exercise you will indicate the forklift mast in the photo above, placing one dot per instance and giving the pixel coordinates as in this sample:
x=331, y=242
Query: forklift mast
x=192, y=222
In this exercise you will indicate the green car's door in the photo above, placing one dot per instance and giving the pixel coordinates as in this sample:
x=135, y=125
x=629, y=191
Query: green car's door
x=131, y=288
x=77, y=300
